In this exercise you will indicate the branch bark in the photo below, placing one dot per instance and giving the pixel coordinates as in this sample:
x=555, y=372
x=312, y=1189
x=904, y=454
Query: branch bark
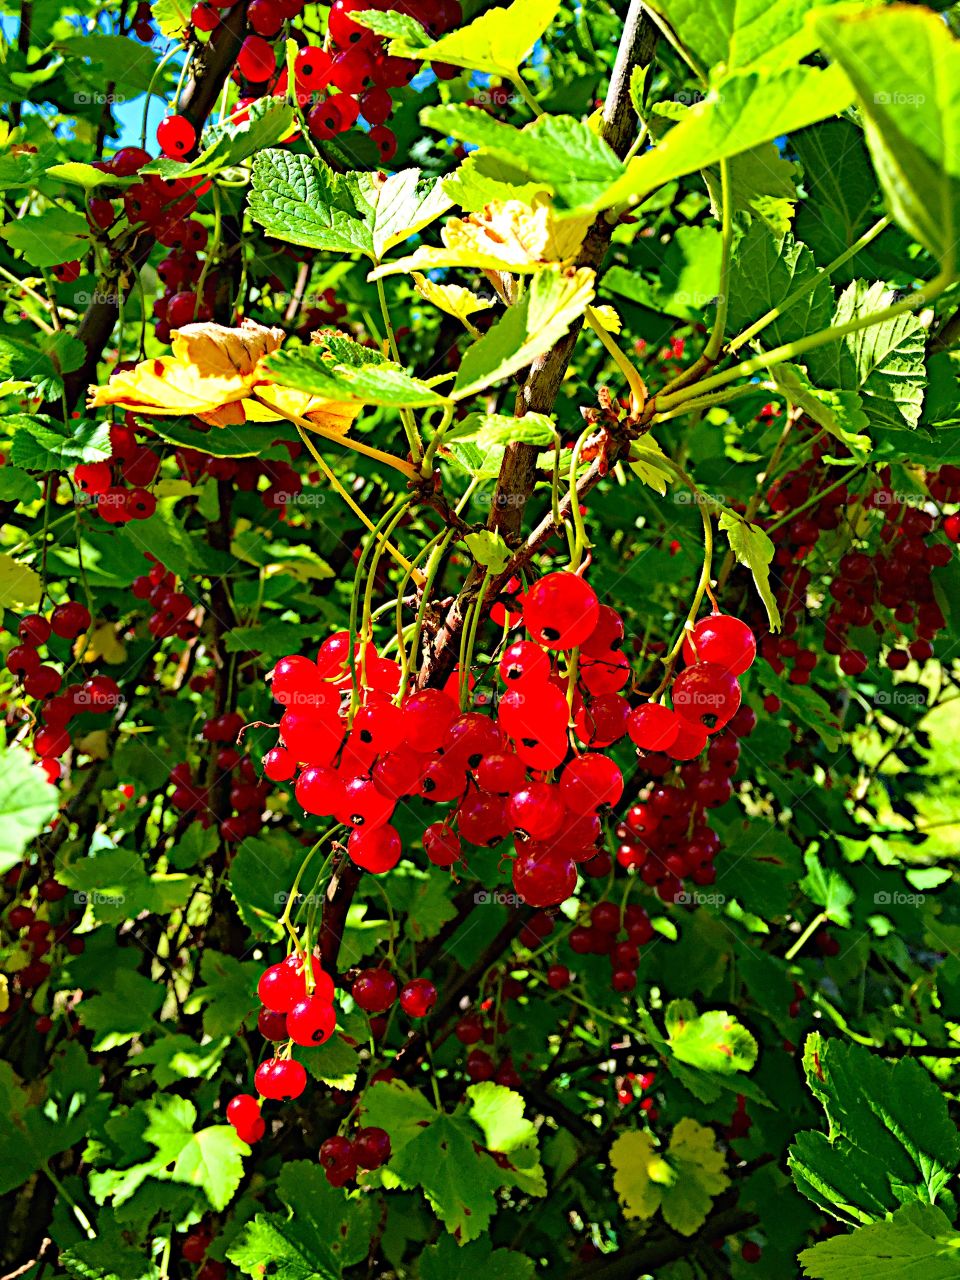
x=540, y=387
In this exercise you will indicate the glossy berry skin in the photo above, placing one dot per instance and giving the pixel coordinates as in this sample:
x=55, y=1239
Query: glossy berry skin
x=272, y=1025
x=524, y=660
x=653, y=727
x=311, y=1021
x=23, y=660
x=319, y=789
x=70, y=620
x=371, y=1147
x=537, y=810
x=418, y=997
x=34, y=629
x=280, y=988
x=589, y=783
x=722, y=640
x=374, y=990
x=243, y=1109
x=322, y=982
x=441, y=844
x=558, y=977
x=542, y=879
x=281, y=1079
x=176, y=137
x=279, y=765
x=427, y=717
x=377, y=849
x=256, y=59
x=706, y=695
x=560, y=610
x=337, y=1157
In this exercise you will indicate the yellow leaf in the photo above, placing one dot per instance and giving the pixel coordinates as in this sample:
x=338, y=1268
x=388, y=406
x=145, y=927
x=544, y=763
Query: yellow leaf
x=19, y=584
x=103, y=643
x=95, y=744
x=608, y=318
x=650, y=463
x=505, y=235
x=451, y=298
x=212, y=375
x=682, y=1182
x=4, y=994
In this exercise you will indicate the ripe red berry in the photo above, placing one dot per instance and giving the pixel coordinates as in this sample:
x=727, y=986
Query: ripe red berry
x=376, y=849
x=418, y=997
x=589, y=783
x=256, y=59
x=272, y=1025
x=319, y=789
x=543, y=879
x=176, y=136
x=311, y=1021
x=280, y=1079
x=560, y=610
x=558, y=977
x=371, y=1147
x=537, y=810
x=33, y=629
x=280, y=988
x=722, y=640
x=374, y=990
x=70, y=620
x=441, y=844
x=706, y=695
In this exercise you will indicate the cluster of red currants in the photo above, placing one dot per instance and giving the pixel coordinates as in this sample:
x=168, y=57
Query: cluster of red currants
x=612, y=932
x=341, y=1158
x=297, y=1008
x=171, y=607
x=194, y=798
x=98, y=694
x=867, y=587
x=284, y=483
x=28, y=917
x=337, y=83
x=117, y=488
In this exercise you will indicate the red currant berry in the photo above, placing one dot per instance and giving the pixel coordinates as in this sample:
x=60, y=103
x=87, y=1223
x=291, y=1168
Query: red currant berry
x=418, y=997
x=374, y=990
x=176, y=136
x=560, y=610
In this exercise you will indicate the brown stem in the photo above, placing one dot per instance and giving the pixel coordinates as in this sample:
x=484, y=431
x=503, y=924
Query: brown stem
x=647, y=1256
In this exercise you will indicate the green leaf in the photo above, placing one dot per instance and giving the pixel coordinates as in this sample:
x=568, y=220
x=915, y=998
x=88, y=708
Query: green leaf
x=828, y=889
x=753, y=548
x=884, y=362
x=649, y=462
x=117, y=886
x=180, y=1057
x=210, y=1158
x=399, y=26
x=682, y=1181
x=488, y=549
x=122, y=1010
x=439, y=1152
x=335, y=1063
x=496, y=42
x=447, y=1260
x=311, y=369
x=224, y=145
x=840, y=184
x=808, y=708
x=44, y=239
x=302, y=200
x=905, y=65
x=839, y=412
x=553, y=301
x=17, y=486
x=27, y=799
x=261, y=877
x=712, y=1041
x=323, y=1233
x=557, y=153
x=736, y=33
x=917, y=1241
x=43, y=444
x=890, y=1140
x=483, y=178
x=120, y=61
x=738, y=113
x=171, y=16
x=248, y=440
x=767, y=268
x=228, y=994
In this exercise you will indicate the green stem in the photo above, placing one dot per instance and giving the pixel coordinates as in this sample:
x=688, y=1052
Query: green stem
x=466, y=652
x=406, y=417
x=518, y=83
x=768, y=317
x=819, y=919
x=78, y=1213
x=791, y=350
x=581, y=541
x=715, y=341
x=172, y=53
x=430, y=575
x=638, y=389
